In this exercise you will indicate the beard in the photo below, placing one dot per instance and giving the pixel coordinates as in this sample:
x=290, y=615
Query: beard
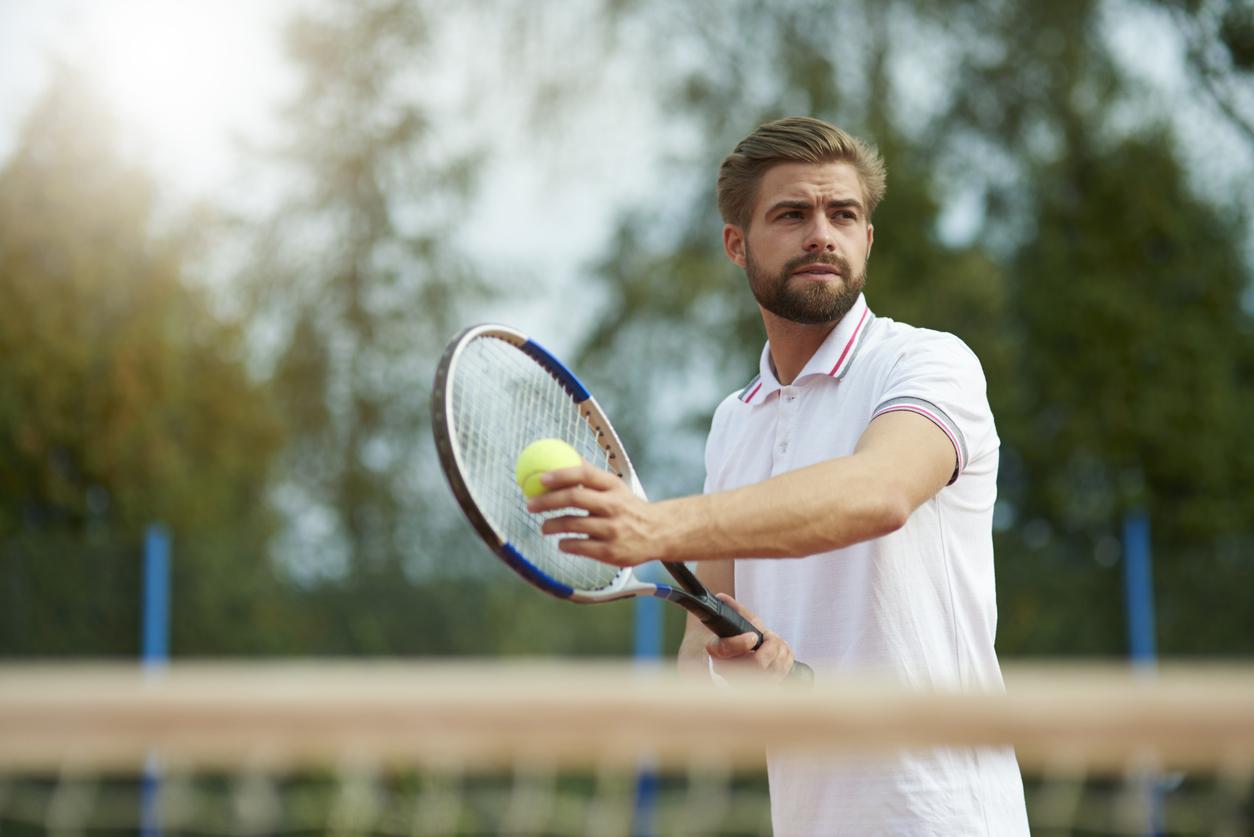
x=802, y=300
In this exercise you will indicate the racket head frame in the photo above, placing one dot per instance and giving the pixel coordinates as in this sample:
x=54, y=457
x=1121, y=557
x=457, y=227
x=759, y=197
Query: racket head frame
x=689, y=594
x=624, y=584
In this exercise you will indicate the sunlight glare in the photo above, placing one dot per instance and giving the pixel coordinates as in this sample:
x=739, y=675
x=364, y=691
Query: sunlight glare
x=187, y=77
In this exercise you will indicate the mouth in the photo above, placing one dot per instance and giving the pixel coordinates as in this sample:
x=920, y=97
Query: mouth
x=816, y=271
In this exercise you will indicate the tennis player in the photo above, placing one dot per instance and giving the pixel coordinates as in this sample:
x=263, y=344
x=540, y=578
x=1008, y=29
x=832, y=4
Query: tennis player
x=865, y=451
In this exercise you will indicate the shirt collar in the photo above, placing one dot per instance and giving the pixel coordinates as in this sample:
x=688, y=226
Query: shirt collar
x=833, y=358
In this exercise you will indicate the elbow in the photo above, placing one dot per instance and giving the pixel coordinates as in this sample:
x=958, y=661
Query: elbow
x=891, y=513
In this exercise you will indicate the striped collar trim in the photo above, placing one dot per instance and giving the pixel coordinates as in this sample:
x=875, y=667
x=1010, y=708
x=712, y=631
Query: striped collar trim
x=833, y=359
x=746, y=394
x=853, y=344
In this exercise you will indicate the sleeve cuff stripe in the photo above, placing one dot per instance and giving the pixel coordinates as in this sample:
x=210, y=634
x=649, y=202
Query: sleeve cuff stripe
x=937, y=417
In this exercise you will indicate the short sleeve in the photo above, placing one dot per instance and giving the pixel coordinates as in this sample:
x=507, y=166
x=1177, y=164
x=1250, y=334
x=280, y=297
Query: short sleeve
x=715, y=445
x=938, y=377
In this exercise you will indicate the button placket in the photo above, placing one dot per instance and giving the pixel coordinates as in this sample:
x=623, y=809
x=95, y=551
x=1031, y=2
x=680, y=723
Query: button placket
x=784, y=428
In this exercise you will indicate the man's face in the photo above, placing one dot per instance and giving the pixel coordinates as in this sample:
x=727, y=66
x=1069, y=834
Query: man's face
x=807, y=243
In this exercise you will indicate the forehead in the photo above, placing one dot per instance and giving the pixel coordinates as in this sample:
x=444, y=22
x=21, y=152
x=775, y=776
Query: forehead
x=814, y=182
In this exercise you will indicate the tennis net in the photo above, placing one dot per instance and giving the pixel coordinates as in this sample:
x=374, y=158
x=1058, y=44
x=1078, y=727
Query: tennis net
x=584, y=749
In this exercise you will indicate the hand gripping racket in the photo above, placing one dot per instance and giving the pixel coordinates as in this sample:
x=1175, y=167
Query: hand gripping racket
x=496, y=391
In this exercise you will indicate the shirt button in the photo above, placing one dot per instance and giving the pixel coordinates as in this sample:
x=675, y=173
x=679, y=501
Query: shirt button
x=783, y=447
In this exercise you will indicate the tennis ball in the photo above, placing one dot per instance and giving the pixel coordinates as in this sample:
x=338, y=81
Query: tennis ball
x=539, y=458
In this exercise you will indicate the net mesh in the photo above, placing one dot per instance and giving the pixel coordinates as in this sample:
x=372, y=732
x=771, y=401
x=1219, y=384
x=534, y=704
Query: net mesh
x=503, y=401
x=583, y=750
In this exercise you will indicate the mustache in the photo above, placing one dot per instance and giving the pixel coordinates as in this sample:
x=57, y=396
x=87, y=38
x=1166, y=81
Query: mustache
x=821, y=258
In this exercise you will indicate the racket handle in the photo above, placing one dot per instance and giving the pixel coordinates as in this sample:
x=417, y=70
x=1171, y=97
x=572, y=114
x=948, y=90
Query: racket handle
x=800, y=673
x=735, y=624
x=724, y=621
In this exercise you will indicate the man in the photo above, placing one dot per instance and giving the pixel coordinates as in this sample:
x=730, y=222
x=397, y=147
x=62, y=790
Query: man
x=866, y=449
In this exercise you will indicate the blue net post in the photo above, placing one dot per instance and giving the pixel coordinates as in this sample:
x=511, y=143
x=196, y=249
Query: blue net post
x=648, y=652
x=1138, y=590
x=154, y=654
x=155, y=639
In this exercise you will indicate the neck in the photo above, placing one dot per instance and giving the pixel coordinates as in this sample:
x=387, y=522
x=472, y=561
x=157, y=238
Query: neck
x=793, y=344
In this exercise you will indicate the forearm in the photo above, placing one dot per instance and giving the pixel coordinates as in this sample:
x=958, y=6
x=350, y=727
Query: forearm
x=822, y=507
x=901, y=460
x=692, y=657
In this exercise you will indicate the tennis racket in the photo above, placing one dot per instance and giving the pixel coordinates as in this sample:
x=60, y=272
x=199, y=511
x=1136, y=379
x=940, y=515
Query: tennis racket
x=496, y=391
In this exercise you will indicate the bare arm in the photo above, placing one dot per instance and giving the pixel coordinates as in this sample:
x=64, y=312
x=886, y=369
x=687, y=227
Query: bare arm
x=900, y=462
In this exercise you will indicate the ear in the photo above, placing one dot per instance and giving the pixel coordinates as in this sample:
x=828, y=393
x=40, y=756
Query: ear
x=734, y=244
x=870, y=238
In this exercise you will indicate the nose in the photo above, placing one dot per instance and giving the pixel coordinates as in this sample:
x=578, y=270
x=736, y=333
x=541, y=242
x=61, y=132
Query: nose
x=820, y=238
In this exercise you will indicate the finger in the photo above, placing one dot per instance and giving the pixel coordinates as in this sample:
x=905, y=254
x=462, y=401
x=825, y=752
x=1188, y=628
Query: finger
x=773, y=655
x=727, y=648
x=773, y=659
x=587, y=475
x=578, y=524
x=578, y=497
x=748, y=614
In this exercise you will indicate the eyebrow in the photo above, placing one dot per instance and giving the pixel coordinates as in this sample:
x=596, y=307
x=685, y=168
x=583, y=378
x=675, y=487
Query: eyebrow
x=839, y=203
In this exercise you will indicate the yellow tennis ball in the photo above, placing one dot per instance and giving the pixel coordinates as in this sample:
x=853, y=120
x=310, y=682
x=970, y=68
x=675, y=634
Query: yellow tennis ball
x=539, y=458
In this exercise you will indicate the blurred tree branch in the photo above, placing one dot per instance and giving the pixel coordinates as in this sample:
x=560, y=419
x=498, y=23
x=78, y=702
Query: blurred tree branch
x=1219, y=48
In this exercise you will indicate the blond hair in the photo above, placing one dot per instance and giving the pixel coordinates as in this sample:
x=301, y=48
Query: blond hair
x=797, y=139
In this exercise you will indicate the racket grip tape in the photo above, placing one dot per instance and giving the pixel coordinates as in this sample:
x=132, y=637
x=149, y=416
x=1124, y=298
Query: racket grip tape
x=724, y=621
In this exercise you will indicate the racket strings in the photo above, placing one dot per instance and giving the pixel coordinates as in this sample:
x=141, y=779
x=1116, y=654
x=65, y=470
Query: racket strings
x=502, y=402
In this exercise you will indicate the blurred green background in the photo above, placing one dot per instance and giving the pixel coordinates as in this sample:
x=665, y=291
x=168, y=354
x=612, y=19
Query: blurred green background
x=249, y=361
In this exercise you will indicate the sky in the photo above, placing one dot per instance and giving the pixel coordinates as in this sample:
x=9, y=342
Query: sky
x=194, y=81
x=163, y=66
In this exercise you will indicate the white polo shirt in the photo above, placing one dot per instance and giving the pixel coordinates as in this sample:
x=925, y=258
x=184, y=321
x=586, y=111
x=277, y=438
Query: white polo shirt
x=918, y=605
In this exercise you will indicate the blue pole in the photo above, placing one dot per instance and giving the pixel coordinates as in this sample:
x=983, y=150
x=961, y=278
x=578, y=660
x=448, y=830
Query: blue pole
x=1138, y=591
x=647, y=647
x=154, y=654
x=155, y=639
x=648, y=632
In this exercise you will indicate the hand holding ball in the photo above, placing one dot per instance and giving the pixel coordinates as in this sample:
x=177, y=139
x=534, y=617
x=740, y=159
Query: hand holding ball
x=539, y=458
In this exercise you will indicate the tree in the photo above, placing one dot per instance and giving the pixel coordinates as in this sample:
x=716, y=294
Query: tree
x=1084, y=233
x=1219, y=49
x=123, y=401
x=1124, y=295
x=1137, y=358
x=361, y=287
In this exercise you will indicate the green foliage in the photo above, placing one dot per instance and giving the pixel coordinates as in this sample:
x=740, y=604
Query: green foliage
x=1236, y=32
x=1133, y=377
x=364, y=285
x=123, y=399
x=1219, y=50
x=1137, y=353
